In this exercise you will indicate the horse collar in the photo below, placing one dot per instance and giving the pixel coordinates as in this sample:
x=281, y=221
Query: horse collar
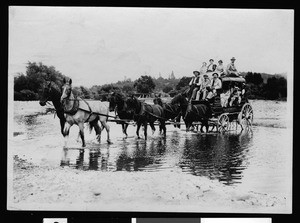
x=74, y=108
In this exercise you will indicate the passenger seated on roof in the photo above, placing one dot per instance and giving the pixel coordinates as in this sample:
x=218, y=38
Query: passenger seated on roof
x=204, y=86
x=211, y=68
x=231, y=69
x=203, y=69
x=215, y=86
x=194, y=85
x=220, y=68
x=235, y=96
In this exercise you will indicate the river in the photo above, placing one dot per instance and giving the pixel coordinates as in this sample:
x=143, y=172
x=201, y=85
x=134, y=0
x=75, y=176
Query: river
x=259, y=160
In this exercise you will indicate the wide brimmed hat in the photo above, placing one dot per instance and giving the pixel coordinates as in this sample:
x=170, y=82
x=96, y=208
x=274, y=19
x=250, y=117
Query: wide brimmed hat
x=195, y=71
x=220, y=61
x=216, y=74
x=205, y=75
x=233, y=58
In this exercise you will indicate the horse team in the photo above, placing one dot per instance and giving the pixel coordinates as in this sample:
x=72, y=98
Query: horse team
x=75, y=110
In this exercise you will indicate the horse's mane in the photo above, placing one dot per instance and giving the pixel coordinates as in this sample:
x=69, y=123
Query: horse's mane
x=178, y=98
x=119, y=96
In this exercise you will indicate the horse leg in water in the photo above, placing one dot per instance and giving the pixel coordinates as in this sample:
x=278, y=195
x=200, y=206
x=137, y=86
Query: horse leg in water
x=163, y=127
x=145, y=124
x=62, y=125
x=97, y=128
x=81, y=132
x=153, y=127
x=66, y=132
x=125, y=129
x=138, y=129
x=107, y=128
x=204, y=123
x=177, y=120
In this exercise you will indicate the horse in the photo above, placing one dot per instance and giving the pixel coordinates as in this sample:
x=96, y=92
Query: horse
x=171, y=111
x=146, y=113
x=118, y=104
x=52, y=92
x=200, y=112
x=78, y=111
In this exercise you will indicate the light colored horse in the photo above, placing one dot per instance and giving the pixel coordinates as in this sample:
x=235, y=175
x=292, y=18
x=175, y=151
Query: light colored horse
x=78, y=111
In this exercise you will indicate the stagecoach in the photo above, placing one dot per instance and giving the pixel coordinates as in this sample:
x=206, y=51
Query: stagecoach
x=224, y=116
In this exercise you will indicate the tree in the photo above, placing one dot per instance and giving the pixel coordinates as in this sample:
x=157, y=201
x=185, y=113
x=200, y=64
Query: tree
x=85, y=92
x=144, y=84
x=127, y=88
x=184, y=82
x=35, y=77
x=257, y=79
x=167, y=89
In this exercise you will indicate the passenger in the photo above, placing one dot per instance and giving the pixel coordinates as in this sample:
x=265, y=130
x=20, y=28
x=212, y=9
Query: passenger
x=231, y=69
x=220, y=68
x=194, y=85
x=203, y=69
x=211, y=68
x=215, y=85
x=205, y=85
x=236, y=95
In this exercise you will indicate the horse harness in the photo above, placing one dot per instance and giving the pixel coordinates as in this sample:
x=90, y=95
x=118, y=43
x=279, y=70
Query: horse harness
x=76, y=107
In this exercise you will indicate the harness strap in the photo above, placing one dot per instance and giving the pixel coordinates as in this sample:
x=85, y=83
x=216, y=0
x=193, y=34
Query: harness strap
x=74, y=109
x=91, y=112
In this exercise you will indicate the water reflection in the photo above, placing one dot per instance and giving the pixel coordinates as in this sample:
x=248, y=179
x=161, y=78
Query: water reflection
x=217, y=156
x=143, y=155
x=91, y=159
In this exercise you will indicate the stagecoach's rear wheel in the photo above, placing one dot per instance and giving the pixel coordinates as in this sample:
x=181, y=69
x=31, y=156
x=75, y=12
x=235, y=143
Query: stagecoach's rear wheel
x=246, y=115
x=223, y=123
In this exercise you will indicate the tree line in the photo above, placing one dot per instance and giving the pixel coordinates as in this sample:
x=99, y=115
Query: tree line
x=29, y=86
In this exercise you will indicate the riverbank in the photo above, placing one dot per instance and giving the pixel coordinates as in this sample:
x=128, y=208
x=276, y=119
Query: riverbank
x=64, y=188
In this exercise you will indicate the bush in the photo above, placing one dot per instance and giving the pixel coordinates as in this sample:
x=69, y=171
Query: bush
x=167, y=89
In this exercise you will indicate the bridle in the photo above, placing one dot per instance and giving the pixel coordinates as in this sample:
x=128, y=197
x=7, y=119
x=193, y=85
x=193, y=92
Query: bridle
x=67, y=97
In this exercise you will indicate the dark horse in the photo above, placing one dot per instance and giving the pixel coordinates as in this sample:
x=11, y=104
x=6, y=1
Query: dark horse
x=144, y=113
x=171, y=111
x=51, y=92
x=117, y=103
x=199, y=112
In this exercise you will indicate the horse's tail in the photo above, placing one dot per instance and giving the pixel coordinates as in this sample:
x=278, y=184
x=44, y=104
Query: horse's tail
x=90, y=127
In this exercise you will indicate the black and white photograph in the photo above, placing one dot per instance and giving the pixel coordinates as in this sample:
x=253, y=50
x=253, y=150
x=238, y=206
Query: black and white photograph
x=144, y=109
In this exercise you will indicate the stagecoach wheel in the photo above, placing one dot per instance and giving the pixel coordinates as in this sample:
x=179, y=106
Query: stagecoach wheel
x=223, y=123
x=246, y=115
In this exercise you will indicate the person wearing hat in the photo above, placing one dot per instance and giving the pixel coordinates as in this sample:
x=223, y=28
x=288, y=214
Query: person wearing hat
x=220, y=68
x=194, y=84
x=215, y=85
x=231, y=69
x=211, y=68
x=205, y=85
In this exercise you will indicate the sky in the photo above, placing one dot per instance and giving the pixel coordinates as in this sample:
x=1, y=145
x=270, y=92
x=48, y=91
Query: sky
x=100, y=45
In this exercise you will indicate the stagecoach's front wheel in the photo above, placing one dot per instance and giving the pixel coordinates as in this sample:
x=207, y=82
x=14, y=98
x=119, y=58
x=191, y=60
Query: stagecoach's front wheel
x=223, y=123
x=246, y=115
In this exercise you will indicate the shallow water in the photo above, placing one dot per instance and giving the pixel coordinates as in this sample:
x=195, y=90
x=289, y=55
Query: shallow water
x=258, y=160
